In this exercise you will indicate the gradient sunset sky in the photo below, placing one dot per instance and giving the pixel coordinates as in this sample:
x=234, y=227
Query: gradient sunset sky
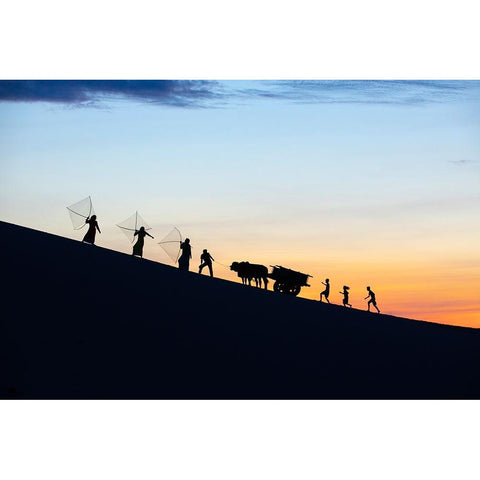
x=364, y=182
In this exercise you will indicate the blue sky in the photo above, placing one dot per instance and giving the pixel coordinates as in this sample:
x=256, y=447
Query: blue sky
x=310, y=174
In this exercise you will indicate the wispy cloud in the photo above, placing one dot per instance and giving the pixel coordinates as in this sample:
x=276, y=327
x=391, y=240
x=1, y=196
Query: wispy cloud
x=462, y=162
x=180, y=93
x=401, y=92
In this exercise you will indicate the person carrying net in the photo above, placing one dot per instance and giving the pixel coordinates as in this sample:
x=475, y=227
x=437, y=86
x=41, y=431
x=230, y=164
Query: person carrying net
x=184, y=259
x=92, y=228
x=138, y=247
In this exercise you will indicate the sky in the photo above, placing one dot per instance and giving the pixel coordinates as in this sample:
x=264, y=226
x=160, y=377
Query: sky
x=412, y=239
x=367, y=183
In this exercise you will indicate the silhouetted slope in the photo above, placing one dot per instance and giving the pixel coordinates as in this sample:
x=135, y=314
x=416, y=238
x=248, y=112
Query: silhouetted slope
x=81, y=321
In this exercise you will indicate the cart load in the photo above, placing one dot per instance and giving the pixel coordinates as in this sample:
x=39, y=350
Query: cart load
x=287, y=280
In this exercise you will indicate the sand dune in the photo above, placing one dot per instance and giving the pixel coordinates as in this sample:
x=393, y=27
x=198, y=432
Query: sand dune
x=82, y=321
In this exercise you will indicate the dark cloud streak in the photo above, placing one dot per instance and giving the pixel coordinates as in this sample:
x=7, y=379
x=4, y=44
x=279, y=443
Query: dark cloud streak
x=181, y=93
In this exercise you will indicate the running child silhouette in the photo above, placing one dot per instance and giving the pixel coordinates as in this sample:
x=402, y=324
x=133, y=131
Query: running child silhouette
x=345, y=296
x=326, y=292
x=372, y=300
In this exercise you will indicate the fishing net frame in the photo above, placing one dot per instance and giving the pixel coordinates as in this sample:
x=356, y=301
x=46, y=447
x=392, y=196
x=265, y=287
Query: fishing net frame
x=168, y=244
x=133, y=224
x=80, y=211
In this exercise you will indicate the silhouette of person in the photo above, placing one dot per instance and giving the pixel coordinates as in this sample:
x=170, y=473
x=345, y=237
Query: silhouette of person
x=92, y=228
x=372, y=300
x=345, y=296
x=326, y=292
x=138, y=247
x=184, y=260
x=206, y=260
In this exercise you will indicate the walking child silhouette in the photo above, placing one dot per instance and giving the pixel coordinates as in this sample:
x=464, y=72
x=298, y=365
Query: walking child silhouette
x=326, y=292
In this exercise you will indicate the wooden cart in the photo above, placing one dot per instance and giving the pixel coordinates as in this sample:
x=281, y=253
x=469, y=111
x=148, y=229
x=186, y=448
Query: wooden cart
x=288, y=281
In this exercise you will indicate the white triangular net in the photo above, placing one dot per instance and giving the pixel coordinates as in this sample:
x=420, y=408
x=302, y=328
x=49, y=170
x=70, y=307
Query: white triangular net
x=131, y=225
x=171, y=244
x=80, y=211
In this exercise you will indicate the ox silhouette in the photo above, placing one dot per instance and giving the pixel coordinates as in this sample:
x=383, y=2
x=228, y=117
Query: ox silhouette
x=248, y=271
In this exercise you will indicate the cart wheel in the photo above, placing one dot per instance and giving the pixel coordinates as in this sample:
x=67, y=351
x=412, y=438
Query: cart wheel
x=295, y=290
x=292, y=289
x=277, y=287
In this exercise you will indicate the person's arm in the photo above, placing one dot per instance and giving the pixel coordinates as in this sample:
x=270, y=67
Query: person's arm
x=212, y=258
x=136, y=233
x=98, y=228
x=149, y=235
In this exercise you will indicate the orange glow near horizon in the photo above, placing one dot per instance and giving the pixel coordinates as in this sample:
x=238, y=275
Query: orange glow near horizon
x=426, y=291
x=433, y=289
